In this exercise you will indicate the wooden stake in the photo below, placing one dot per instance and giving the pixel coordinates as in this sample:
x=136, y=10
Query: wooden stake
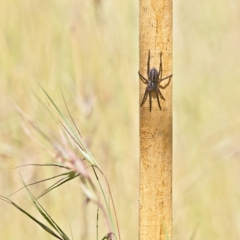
x=155, y=207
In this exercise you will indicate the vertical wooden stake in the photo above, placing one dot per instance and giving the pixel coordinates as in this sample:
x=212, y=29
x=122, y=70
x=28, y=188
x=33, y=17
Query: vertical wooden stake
x=155, y=207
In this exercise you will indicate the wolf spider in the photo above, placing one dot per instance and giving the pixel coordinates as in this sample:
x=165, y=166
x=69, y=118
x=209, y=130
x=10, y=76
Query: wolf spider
x=153, y=82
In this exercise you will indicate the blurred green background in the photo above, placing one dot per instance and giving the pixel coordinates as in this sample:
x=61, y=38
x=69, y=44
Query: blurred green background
x=90, y=48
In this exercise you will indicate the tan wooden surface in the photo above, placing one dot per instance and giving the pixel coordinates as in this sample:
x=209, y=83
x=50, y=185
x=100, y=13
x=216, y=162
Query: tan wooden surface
x=155, y=206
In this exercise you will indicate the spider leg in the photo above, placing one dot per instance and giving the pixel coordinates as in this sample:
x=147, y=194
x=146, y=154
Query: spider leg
x=143, y=78
x=163, y=87
x=150, y=100
x=160, y=66
x=161, y=96
x=148, y=64
x=158, y=99
x=165, y=78
x=144, y=97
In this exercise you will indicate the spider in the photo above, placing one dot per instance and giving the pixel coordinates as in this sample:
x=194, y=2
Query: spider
x=153, y=82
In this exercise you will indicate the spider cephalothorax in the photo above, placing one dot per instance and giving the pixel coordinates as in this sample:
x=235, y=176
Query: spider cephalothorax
x=153, y=82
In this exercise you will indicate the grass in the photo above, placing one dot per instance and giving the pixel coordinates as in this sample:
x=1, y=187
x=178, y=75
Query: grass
x=63, y=43
x=75, y=167
x=91, y=50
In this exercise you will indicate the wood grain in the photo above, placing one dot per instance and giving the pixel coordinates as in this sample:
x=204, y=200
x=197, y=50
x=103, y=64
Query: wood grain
x=155, y=206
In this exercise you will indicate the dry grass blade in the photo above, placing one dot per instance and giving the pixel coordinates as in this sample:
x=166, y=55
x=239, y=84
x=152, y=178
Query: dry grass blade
x=109, y=190
x=45, y=214
x=44, y=165
x=79, y=141
x=30, y=216
x=70, y=113
x=70, y=176
x=31, y=184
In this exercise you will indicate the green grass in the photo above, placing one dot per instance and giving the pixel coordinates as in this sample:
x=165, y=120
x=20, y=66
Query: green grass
x=91, y=50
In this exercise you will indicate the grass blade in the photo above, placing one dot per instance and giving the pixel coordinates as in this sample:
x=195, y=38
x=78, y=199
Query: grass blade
x=45, y=214
x=71, y=175
x=47, y=229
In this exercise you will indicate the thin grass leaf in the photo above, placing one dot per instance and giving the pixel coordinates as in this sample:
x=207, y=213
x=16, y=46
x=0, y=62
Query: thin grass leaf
x=47, y=229
x=44, y=165
x=65, y=237
x=60, y=113
x=106, y=203
x=80, y=143
x=86, y=148
x=51, y=188
x=45, y=214
x=71, y=176
x=69, y=113
x=30, y=184
x=114, y=209
x=97, y=221
x=90, y=159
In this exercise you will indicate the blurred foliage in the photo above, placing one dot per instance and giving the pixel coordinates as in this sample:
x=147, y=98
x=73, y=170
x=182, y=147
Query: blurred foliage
x=90, y=48
x=206, y=120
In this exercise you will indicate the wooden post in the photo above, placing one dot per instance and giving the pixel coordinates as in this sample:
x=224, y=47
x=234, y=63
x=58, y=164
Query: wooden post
x=155, y=206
